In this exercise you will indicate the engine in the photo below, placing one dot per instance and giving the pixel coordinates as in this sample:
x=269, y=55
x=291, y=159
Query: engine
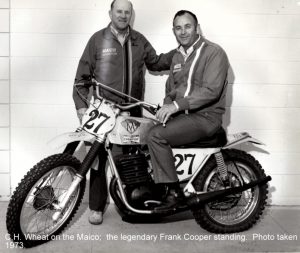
x=134, y=173
x=133, y=169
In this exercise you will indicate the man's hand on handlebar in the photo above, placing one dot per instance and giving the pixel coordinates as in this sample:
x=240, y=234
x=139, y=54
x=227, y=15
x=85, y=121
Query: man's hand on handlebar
x=165, y=112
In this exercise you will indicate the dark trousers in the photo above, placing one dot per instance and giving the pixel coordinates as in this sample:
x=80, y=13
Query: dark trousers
x=98, y=185
x=180, y=130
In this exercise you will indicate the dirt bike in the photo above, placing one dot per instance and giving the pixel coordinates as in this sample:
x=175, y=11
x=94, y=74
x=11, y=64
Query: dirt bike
x=225, y=188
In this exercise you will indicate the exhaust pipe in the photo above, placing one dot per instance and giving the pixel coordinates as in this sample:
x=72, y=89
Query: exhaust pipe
x=203, y=198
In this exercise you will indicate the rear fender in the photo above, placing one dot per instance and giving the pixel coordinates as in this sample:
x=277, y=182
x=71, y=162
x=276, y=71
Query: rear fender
x=239, y=138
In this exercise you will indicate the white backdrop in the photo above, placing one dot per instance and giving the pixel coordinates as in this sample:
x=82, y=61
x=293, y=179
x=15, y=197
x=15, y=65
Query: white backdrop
x=41, y=42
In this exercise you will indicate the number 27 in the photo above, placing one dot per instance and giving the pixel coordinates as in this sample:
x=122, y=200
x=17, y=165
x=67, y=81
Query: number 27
x=181, y=160
x=95, y=116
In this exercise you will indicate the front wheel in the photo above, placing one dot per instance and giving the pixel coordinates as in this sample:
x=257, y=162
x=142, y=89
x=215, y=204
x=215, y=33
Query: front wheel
x=236, y=212
x=29, y=216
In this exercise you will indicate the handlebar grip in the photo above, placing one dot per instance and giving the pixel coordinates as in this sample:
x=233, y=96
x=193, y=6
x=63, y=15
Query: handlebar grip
x=151, y=109
x=86, y=83
x=89, y=83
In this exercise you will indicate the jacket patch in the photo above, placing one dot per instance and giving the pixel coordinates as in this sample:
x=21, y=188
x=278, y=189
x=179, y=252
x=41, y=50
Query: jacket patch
x=177, y=68
x=109, y=51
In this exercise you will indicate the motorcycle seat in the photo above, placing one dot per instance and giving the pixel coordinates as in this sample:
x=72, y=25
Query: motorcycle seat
x=219, y=139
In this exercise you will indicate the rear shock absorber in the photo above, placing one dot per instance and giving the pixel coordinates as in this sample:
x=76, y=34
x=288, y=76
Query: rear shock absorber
x=222, y=168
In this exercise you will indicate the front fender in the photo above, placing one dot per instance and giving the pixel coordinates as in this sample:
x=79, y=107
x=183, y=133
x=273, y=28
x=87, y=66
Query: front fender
x=65, y=138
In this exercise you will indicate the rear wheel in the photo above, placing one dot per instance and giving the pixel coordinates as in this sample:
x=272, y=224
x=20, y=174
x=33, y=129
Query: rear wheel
x=32, y=205
x=236, y=212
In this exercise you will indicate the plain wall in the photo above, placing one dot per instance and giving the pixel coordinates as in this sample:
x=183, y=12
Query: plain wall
x=4, y=100
x=41, y=42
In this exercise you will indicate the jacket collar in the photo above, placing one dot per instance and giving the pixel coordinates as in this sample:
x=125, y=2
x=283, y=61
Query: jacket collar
x=132, y=34
x=191, y=49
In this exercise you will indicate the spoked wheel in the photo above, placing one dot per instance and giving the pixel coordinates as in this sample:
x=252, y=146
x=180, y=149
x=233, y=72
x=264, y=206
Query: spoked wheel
x=30, y=212
x=236, y=212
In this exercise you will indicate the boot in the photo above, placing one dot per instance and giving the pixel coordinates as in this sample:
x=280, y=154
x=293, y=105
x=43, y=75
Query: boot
x=95, y=217
x=174, y=198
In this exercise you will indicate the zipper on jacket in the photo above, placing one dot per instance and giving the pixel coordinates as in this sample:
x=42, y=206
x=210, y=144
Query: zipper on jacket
x=127, y=83
x=124, y=69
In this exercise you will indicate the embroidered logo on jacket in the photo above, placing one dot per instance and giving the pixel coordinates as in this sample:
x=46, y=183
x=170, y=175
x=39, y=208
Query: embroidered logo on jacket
x=131, y=125
x=177, y=67
x=109, y=51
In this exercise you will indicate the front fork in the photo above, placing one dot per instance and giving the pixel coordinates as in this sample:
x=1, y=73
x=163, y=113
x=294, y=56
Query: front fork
x=84, y=168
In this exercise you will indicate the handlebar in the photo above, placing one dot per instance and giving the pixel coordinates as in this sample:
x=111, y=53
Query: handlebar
x=152, y=108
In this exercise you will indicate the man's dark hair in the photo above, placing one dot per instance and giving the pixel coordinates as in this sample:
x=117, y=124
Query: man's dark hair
x=182, y=12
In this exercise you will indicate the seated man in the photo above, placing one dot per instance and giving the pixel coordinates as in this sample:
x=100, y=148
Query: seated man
x=195, y=97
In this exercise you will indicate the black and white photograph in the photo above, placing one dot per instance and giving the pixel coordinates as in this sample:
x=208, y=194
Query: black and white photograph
x=149, y=126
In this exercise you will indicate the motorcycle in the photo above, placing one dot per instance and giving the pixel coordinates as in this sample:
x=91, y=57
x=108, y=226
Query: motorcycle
x=225, y=188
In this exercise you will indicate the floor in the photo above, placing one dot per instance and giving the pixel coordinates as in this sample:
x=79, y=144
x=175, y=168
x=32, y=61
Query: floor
x=277, y=231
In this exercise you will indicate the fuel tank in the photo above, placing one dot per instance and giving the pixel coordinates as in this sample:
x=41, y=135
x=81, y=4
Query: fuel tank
x=130, y=130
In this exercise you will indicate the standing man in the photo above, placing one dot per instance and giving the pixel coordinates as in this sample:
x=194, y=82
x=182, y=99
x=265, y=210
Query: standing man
x=115, y=56
x=195, y=97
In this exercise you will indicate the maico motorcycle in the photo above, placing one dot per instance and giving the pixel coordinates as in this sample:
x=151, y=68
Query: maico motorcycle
x=225, y=188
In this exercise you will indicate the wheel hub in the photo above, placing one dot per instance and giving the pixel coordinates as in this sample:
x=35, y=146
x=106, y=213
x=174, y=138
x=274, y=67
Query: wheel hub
x=229, y=201
x=44, y=198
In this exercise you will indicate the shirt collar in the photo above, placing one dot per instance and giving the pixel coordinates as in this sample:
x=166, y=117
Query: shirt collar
x=189, y=51
x=120, y=36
